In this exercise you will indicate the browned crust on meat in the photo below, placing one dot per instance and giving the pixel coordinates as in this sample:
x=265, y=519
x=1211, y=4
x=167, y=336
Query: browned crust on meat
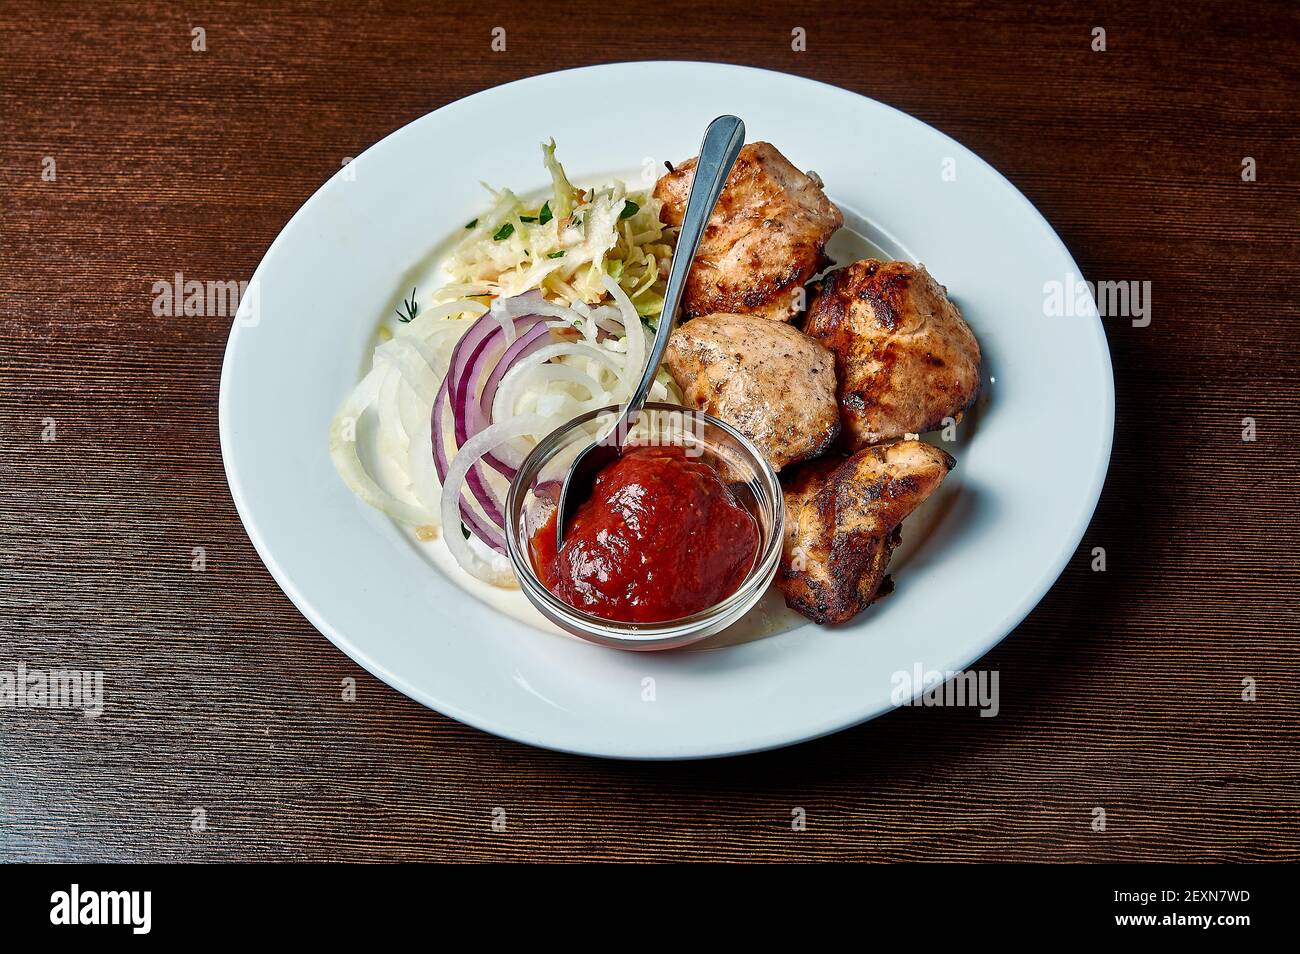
x=843, y=522
x=905, y=359
x=764, y=241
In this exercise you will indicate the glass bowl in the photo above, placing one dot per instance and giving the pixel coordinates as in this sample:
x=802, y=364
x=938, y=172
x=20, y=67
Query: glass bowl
x=536, y=487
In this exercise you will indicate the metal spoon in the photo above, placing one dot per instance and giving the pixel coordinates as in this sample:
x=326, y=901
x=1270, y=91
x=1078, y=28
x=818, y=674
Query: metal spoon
x=722, y=142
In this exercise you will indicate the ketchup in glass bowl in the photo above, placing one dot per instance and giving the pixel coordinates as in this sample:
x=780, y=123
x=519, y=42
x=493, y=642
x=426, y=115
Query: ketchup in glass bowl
x=661, y=537
x=680, y=537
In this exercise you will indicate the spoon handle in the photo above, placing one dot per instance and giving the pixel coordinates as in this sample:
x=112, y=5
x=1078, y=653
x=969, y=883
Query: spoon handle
x=722, y=142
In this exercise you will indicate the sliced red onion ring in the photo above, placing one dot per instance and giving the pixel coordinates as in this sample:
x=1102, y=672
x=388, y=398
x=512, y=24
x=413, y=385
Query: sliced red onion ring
x=468, y=361
x=477, y=526
x=468, y=414
x=610, y=325
x=484, y=326
x=536, y=337
x=473, y=355
x=548, y=490
x=464, y=402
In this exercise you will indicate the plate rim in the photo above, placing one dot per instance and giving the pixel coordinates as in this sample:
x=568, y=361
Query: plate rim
x=1034, y=593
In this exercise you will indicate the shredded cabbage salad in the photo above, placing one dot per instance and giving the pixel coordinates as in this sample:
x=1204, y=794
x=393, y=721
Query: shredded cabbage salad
x=541, y=320
x=565, y=245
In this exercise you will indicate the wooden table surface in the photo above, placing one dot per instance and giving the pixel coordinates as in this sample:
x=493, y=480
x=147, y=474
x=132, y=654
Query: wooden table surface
x=1123, y=690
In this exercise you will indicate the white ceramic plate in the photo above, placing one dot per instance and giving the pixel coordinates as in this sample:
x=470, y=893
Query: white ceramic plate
x=1031, y=459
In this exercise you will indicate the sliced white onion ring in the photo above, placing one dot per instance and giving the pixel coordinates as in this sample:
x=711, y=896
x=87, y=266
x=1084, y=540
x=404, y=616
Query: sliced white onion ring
x=434, y=319
x=393, y=440
x=418, y=367
x=636, y=349
x=343, y=452
x=513, y=381
x=541, y=378
x=474, y=448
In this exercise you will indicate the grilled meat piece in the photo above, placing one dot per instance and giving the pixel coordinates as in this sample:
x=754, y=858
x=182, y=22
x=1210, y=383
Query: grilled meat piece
x=770, y=381
x=765, y=238
x=842, y=523
x=904, y=357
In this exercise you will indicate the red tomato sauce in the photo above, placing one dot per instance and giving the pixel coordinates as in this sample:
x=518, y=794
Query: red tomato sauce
x=661, y=537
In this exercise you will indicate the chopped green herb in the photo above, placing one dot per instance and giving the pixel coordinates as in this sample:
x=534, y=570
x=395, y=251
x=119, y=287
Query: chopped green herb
x=545, y=215
x=412, y=309
x=527, y=218
x=630, y=209
x=559, y=254
x=504, y=232
x=464, y=530
x=471, y=223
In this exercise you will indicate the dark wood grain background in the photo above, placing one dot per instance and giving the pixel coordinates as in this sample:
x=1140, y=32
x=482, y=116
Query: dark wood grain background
x=1123, y=690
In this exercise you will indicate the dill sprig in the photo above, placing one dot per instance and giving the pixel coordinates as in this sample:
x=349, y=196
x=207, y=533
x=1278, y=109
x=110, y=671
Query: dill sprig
x=412, y=309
